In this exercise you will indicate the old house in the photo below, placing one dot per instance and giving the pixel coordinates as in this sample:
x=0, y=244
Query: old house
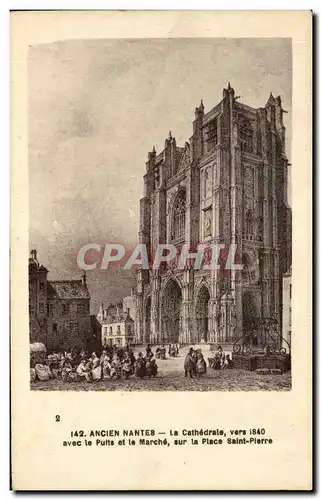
x=117, y=325
x=59, y=311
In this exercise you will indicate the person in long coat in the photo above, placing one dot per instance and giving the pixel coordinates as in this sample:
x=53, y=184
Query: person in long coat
x=201, y=366
x=140, y=368
x=189, y=364
x=219, y=358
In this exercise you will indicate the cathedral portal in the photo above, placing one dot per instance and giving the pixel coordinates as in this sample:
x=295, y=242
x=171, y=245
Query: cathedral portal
x=171, y=312
x=202, y=315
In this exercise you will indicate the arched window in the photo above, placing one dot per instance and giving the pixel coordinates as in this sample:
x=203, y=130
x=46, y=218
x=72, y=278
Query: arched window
x=247, y=268
x=179, y=216
x=249, y=226
x=206, y=176
x=246, y=136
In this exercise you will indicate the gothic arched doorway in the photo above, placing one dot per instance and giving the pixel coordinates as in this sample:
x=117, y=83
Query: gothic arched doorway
x=202, y=308
x=171, y=312
x=147, y=320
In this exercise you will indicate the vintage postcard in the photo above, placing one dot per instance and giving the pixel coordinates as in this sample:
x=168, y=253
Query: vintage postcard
x=161, y=250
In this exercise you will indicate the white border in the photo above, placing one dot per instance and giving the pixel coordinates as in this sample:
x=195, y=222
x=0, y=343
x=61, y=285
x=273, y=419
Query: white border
x=5, y=6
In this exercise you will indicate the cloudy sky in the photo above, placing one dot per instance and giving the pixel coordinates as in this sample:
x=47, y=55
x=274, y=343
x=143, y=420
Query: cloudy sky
x=96, y=107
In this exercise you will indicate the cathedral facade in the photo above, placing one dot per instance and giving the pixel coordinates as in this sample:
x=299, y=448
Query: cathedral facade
x=228, y=186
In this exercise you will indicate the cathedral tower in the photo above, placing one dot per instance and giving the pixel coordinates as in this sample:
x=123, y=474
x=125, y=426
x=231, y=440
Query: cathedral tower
x=227, y=185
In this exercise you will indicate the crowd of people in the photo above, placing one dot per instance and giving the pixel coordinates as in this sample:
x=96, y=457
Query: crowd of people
x=112, y=364
x=195, y=364
x=219, y=360
x=173, y=351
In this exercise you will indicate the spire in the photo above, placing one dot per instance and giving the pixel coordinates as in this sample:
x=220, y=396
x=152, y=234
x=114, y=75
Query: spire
x=278, y=100
x=100, y=314
x=169, y=140
x=228, y=91
x=199, y=111
x=271, y=100
x=151, y=154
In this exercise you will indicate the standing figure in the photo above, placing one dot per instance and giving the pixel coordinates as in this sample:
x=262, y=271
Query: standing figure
x=219, y=358
x=189, y=364
x=127, y=368
x=140, y=370
x=228, y=364
x=105, y=365
x=96, y=368
x=201, y=367
x=149, y=353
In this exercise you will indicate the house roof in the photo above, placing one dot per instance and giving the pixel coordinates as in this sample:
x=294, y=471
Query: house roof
x=69, y=289
x=123, y=317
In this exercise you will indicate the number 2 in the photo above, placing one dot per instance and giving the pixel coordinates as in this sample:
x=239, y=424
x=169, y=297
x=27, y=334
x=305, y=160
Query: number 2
x=57, y=418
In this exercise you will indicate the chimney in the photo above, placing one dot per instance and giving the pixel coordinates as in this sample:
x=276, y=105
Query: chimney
x=84, y=281
x=33, y=256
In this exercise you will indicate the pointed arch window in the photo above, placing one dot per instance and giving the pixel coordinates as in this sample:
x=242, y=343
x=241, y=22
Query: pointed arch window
x=249, y=226
x=179, y=217
x=212, y=135
x=246, y=136
x=248, y=272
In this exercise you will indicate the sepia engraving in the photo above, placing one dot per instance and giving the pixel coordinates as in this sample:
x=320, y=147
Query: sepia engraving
x=201, y=299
